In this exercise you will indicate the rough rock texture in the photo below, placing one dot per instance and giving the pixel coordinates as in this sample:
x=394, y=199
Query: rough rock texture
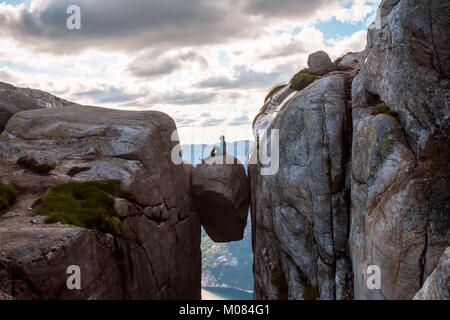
x=350, y=61
x=437, y=286
x=34, y=262
x=400, y=166
x=14, y=99
x=270, y=110
x=157, y=255
x=300, y=215
x=4, y=296
x=319, y=63
x=221, y=193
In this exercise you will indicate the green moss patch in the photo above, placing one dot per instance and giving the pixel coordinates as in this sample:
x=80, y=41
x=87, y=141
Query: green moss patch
x=311, y=293
x=76, y=170
x=279, y=281
x=384, y=109
x=8, y=196
x=84, y=204
x=34, y=166
x=273, y=91
x=302, y=79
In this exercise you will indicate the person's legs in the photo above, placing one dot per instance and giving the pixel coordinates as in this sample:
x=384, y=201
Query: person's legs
x=215, y=151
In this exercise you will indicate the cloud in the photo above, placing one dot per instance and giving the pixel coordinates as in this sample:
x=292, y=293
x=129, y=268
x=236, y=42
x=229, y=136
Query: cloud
x=283, y=49
x=243, y=77
x=112, y=24
x=7, y=75
x=205, y=63
x=179, y=97
x=355, y=43
x=205, y=114
x=148, y=66
x=239, y=120
x=108, y=95
x=288, y=8
x=163, y=24
x=212, y=122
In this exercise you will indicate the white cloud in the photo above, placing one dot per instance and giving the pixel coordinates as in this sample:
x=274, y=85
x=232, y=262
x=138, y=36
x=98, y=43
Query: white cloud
x=208, y=64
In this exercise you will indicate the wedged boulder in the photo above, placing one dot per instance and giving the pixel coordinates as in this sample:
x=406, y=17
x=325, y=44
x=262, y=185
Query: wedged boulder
x=437, y=286
x=157, y=253
x=300, y=214
x=319, y=63
x=14, y=99
x=221, y=192
x=400, y=172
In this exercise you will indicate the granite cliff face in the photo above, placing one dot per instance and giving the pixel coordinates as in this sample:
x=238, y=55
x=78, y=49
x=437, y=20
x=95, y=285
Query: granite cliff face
x=300, y=215
x=159, y=230
x=364, y=166
x=400, y=167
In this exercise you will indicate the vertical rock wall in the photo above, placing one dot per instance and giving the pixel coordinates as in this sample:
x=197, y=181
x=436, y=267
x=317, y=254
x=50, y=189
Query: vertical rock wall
x=400, y=169
x=300, y=214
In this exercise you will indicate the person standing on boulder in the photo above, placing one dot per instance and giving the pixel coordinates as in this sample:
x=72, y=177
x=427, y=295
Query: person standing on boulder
x=223, y=145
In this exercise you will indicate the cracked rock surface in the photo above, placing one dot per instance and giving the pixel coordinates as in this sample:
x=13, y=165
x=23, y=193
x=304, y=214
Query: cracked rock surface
x=355, y=188
x=300, y=214
x=400, y=170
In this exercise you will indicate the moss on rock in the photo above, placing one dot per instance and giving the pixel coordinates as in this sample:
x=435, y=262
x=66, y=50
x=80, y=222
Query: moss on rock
x=384, y=109
x=273, y=91
x=311, y=293
x=84, y=204
x=8, y=196
x=302, y=79
x=76, y=170
x=279, y=281
x=34, y=166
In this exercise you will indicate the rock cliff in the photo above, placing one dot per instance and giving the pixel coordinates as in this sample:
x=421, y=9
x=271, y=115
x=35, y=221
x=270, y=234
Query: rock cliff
x=400, y=161
x=363, y=175
x=159, y=228
x=300, y=215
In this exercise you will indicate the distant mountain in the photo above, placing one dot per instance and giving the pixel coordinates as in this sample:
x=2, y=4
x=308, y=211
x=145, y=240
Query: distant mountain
x=228, y=265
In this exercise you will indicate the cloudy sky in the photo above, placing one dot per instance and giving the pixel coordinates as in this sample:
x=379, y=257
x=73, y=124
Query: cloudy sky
x=208, y=64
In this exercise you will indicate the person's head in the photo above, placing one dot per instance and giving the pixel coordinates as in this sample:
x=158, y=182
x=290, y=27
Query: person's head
x=222, y=138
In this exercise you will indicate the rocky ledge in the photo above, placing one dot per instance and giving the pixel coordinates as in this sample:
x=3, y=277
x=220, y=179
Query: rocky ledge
x=159, y=228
